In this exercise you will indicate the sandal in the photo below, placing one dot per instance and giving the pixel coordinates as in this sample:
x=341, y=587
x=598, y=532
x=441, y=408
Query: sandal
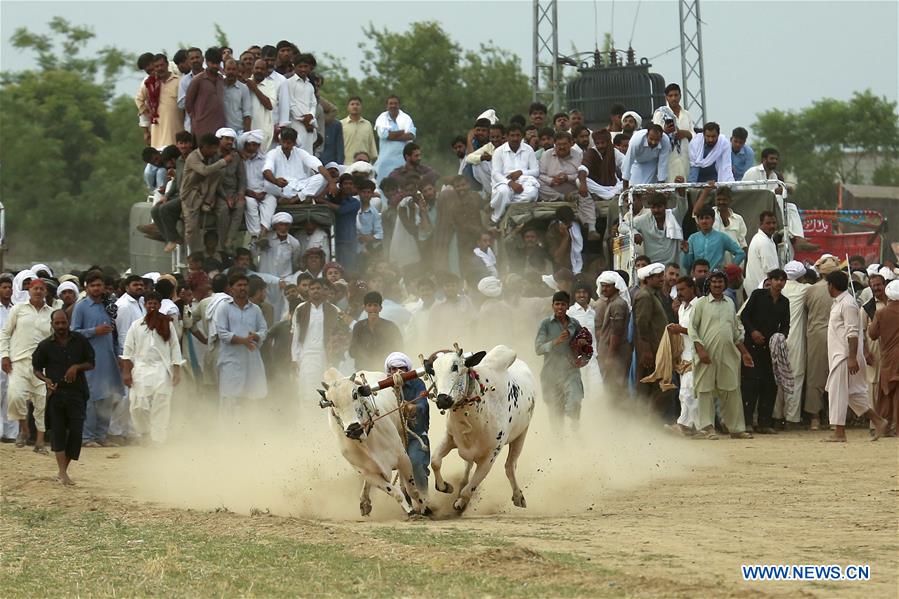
x=41, y=450
x=20, y=441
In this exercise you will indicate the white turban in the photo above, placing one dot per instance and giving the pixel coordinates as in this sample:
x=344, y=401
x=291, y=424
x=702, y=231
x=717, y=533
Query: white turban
x=41, y=267
x=636, y=116
x=490, y=286
x=826, y=264
x=246, y=137
x=360, y=166
x=19, y=293
x=226, y=132
x=656, y=268
x=873, y=269
x=282, y=217
x=153, y=276
x=490, y=115
x=794, y=269
x=892, y=291
x=887, y=274
x=397, y=360
x=610, y=277
x=67, y=286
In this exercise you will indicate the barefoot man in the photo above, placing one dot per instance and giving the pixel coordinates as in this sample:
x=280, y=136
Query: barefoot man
x=60, y=362
x=846, y=383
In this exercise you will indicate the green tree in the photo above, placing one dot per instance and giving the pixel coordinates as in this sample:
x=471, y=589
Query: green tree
x=72, y=167
x=831, y=141
x=442, y=86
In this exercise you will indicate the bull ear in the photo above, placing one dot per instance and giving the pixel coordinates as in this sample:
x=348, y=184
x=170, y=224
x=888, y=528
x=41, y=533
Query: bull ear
x=429, y=367
x=474, y=359
x=322, y=392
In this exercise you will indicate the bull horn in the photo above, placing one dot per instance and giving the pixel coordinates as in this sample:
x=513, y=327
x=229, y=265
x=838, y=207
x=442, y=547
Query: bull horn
x=325, y=385
x=457, y=348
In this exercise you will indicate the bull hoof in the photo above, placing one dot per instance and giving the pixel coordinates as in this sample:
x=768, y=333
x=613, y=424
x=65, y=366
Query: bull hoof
x=365, y=508
x=412, y=516
x=459, y=505
x=447, y=488
x=518, y=500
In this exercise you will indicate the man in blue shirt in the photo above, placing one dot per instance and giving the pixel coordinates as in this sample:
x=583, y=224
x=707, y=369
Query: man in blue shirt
x=710, y=244
x=741, y=157
x=91, y=318
x=416, y=415
x=345, y=206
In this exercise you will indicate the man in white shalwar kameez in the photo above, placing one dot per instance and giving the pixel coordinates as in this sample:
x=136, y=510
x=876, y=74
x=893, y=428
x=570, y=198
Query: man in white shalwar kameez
x=790, y=213
x=514, y=174
x=152, y=370
x=308, y=350
x=847, y=386
x=583, y=312
x=287, y=172
x=297, y=104
x=276, y=255
x=789, y=406
x=761, y=257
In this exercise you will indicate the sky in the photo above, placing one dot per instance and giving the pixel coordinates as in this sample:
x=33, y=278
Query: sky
x=757, y=55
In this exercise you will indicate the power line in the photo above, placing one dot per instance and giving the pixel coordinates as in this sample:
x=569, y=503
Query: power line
x=612, y=32
x=634, y=27
x=668, y=51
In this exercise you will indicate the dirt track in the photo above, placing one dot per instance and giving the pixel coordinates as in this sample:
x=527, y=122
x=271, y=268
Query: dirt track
x=783, y=500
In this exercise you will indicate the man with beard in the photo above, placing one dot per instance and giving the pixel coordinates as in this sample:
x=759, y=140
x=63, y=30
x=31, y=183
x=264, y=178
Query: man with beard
x=204, y=101
x=236, y=99
x=612, y=316
x=480, y=159
x=151, y=367
x=60, y=362
x=263, y=88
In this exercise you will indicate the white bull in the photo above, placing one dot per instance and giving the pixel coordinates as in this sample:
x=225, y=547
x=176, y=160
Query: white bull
x=370, y=436
x=489, y=406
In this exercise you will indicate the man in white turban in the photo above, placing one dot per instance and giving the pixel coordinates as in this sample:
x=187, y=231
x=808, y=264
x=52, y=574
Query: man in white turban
x=259, y=205
x=490, y=287
x=278, y=254
x=650, y=322
x=789, y=406
x=631, y=121
x=613, y=312
x=415, y=414
x=230, y=198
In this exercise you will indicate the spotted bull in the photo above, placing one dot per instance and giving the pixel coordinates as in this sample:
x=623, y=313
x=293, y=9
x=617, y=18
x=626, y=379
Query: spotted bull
x=490, y=399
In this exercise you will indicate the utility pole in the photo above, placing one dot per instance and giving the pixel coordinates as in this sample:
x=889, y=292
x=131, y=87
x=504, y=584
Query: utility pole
x=547, y=74
x=692, y=72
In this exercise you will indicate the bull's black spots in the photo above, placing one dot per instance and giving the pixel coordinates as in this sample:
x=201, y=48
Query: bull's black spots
x=510, y=419
x=499, y=436
x=388, y=488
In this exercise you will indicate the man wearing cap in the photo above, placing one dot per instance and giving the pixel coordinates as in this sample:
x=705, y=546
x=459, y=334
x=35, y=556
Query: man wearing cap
x=287, y=172
x=415, y=414
x=373, y=335
x=278, y=254
x=26, y=325
x=259, y=205
x=818, y=303
x=846, y=385
x=613, y=313
x=734, y=290
x=885, y=331
x=560, y=378
x=67, y=292
x=650, y=322
x=717, y=337
x=230, y=202
x=789, y=406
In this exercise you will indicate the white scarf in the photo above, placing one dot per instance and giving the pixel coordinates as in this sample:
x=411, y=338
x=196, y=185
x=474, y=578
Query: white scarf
x=217, y=300
x=697, y=146
x=403, y=121
x=488, y=258
x=672, y=228
x=19, y=295
x=577, y=246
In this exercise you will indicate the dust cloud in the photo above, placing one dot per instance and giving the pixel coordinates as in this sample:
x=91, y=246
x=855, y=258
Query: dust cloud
x=284, y=459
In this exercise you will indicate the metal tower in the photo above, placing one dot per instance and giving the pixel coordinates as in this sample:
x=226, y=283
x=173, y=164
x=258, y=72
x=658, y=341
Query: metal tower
x=547, y=73
x=692, y=73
